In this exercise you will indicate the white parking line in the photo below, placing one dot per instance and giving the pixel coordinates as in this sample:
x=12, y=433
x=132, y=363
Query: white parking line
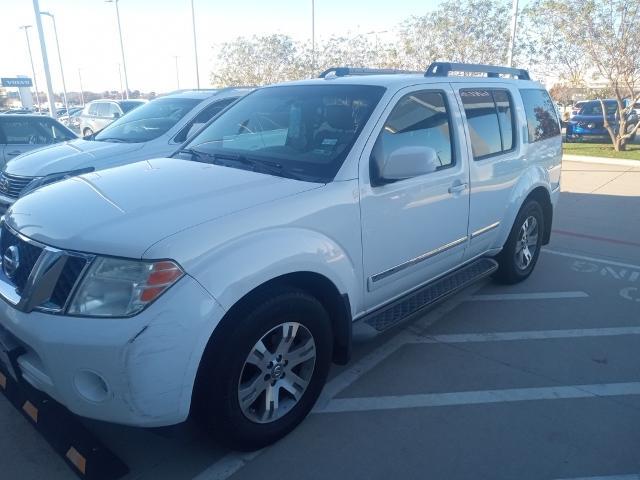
x=591, y=259
x=227, y=466
x=633, y=476
x=529, y=335
x=366, y=404
x=527, y=296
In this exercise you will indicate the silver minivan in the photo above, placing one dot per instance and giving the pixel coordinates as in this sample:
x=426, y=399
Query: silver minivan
x=100, y=113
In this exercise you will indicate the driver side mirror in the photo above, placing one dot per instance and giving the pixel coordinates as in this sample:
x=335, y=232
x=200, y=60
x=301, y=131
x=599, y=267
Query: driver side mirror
x=409, y=162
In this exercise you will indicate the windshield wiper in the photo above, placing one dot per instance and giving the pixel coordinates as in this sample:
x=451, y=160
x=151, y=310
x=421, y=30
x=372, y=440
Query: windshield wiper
x=113, y=140
x=197, y=155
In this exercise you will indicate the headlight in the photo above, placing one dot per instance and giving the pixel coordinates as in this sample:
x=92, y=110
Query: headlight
x=114, y=287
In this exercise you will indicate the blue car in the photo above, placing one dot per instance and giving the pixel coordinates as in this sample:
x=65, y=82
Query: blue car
x=589, y=121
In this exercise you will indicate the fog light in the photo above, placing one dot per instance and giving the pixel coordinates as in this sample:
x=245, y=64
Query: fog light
x=91, y=386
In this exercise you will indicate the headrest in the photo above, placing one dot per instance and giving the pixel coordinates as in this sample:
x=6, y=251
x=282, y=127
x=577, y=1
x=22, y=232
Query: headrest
x=340, y=117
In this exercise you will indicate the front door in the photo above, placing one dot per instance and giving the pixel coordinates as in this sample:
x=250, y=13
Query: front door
x=415, y=229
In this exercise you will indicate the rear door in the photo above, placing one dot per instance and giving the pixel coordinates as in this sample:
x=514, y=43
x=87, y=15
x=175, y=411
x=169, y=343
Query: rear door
x=414, y=229
x=494, y=133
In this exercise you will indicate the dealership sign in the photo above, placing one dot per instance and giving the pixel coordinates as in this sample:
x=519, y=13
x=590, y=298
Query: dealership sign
x=17, y=82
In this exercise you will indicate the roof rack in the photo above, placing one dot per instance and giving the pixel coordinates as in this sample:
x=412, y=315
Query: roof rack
x=442, y=69
x=348, y=71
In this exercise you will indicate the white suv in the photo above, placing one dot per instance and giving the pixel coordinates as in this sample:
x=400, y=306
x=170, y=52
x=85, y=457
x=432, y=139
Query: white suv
x=225, y=280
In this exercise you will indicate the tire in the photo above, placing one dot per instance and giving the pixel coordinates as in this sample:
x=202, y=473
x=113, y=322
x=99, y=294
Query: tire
x=514, y=264
x=86, y=132
x=232, y=391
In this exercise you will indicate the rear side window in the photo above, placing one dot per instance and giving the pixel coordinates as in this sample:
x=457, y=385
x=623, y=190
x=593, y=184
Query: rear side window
x=489, y=115
x=542, y=120
x=27, y=131
x=419, y=119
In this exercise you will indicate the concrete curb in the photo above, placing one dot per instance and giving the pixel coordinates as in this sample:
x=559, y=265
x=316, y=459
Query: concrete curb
x=601, y=160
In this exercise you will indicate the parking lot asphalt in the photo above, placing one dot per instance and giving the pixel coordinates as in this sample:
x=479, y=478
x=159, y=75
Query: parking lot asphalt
x=539, y=380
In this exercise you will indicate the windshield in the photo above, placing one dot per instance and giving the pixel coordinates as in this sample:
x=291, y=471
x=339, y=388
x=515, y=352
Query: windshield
x=149, y=121
x=305, y=130
x=129, y=105
x=594, y=108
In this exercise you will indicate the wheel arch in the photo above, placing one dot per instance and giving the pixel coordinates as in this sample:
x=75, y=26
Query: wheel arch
x=542, y=196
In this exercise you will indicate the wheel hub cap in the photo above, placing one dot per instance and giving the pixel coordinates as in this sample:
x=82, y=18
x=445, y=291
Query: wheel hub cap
x=277, y=372
x=527, y=245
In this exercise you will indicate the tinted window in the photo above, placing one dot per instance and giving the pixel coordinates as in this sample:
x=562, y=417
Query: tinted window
x=203, y=117
x=149, y=121
x=93, y=109
x=484, y=123
x=58, y=133
x=304, y=131
x=541, y=115
x=595, y=108
x=113, y=109
x=26, y=132
x=419, y=119
x=103, y=109
x=505, y=116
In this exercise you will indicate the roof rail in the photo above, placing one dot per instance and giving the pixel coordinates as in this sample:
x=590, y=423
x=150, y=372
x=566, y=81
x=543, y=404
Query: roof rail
x=348, y=71
x=442, y=69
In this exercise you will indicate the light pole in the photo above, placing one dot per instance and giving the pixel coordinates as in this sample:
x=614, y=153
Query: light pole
x=120, y=80
x=177, y=71
x=195, y=47
x=81, y=89
x=124, y=63
x=45, y=60
x=313, y=34
x=64, y=84
x=33, y=70
x=514, y=24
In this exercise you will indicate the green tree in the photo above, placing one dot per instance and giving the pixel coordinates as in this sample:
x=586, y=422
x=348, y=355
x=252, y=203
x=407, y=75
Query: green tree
x=605, y=34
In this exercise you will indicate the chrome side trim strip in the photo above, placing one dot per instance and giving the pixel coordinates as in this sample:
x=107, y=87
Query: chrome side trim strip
x=409, y=263
x=485, y=229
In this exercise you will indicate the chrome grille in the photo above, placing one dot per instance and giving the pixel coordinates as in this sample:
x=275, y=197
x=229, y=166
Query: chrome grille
x=45, y=277
x=12, y=186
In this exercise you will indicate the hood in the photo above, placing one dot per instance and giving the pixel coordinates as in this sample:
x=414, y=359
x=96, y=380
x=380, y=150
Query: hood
x=66, y=156
x=123, y=211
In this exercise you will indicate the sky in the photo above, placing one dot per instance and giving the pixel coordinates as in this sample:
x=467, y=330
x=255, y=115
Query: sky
x=155, y=32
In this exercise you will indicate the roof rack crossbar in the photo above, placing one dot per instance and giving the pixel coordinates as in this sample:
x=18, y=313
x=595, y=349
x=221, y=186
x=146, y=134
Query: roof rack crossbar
x=442, y=69
x=348, y=71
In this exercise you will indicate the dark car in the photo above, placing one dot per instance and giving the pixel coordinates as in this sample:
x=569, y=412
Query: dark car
x=589, y=121
x=21, y=133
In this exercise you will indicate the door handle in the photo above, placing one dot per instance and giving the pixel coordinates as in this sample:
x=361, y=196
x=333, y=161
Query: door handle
x=458, y=187
x=14, y=153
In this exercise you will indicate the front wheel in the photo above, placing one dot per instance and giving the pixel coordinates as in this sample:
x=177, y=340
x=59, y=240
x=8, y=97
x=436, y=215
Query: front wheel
x=522, y=249
x=265, y=370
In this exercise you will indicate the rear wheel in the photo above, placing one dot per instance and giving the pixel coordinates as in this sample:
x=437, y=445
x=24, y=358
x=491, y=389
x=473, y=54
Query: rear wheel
x=264, y=371
x=522, y=249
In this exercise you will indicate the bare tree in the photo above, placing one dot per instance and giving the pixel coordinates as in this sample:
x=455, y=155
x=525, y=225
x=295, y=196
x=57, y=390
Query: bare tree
x=607, y=33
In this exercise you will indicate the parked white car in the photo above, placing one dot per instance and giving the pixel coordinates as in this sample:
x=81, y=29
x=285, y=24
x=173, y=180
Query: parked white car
x=225, y=280
x=153, y=130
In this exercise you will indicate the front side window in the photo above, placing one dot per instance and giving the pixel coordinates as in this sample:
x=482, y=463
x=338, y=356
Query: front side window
x=300, y=131
x=57, y=133
x=419, y=119
x=93, y=109
x=149, y=121
x=25, y=132
x=104, y=109
x=489, y=115
x=542, y=120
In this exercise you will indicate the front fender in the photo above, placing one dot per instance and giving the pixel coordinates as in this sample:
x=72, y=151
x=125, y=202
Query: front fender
x=234, y=269
x=533, y=177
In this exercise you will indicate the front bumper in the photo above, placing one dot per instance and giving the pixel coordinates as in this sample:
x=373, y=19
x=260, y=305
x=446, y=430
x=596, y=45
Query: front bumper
x=135, y=371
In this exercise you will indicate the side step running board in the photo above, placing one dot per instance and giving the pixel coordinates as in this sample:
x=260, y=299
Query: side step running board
x=424, y=297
